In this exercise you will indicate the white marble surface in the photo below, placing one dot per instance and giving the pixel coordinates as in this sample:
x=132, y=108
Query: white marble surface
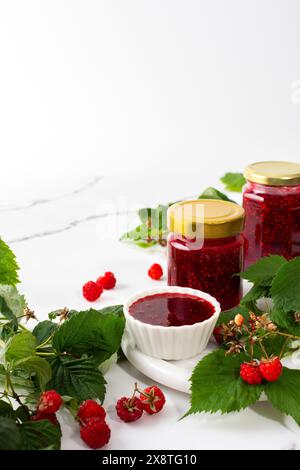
x=57, y=232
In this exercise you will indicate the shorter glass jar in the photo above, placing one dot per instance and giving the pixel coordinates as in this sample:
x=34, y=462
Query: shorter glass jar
x=271, y=201
x=205, y=248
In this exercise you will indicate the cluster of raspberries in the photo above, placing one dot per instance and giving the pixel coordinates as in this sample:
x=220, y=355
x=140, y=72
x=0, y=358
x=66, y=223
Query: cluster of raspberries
x=91, y=290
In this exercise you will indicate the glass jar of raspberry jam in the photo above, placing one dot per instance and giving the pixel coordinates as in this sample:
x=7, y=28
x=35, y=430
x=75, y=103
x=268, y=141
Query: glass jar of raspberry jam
x=271, y=201
x=205, y=248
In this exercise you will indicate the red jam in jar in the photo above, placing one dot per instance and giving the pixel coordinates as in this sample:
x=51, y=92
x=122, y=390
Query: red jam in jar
x=271, y=201
x=205, y=248
x=171, y=309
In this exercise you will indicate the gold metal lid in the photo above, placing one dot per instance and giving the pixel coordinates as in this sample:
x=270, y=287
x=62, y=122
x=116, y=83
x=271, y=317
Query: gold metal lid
x=273, y=173
x=208, y=218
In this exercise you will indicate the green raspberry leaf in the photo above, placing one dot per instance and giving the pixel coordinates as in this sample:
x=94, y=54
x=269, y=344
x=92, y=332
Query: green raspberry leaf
x=10, y=438
x=8, y=265
x=140, y=236
x=91, y=333
x=20, y=346
x=216, y=385
x=213, y=193
x=285, y=288
x=264, y=270
x=6, y=410
x=112, y=310
x=155, y=217
x=38, y=367
x=78, y=378
x=284, y=394
x=40, y=435
x=44, y=330
x=285, y=321
x=12, y=303
x=255, y=293
x=234, y=182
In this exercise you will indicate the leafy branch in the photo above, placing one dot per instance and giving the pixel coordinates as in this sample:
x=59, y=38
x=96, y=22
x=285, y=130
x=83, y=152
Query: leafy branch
x=248, y=336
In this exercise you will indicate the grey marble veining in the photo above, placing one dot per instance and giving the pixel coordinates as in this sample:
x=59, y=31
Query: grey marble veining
x=86, y=187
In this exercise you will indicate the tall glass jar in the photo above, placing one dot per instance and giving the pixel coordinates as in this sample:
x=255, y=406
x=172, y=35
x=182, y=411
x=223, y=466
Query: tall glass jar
x=205, y=248
x=271, y=201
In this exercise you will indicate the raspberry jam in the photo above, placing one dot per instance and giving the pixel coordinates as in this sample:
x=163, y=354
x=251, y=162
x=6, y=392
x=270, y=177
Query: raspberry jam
x=272, y=216
x=171, y=309
x=205, y=248
x=210, y=268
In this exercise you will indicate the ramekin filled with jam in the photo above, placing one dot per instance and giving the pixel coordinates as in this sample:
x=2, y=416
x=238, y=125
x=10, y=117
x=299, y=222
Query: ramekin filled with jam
x=172, y=322
x=205, y=248
x=271, y=200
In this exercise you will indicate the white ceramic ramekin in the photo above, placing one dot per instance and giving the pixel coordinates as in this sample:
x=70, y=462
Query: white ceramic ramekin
x=171, y=342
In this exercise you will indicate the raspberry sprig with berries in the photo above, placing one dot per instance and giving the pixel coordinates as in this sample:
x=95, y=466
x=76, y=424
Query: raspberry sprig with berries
x=249, y=336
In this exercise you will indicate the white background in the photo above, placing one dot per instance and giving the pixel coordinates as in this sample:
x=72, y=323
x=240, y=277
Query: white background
x=87, y=86
x=162, y=97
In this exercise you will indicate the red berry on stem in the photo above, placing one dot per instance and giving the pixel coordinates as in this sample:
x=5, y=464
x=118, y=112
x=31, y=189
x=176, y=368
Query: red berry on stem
x=49, y=402
x=155, y=271
x=91, y=291
x=90, y=409
x=108, y=281
x=218, y=334
x=129, y=409
x=271, y=369
x=250, y=373
x=95, y=433
x=153, y=399
x=50, y=417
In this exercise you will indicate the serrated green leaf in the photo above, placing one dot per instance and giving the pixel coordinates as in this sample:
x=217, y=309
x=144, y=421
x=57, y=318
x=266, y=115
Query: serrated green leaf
x=6, y=410
x=78, y=378
x=37, y=366
x=12, y=303
x=20, y=346
x=39, y=435
x=8, y=265
x=44, y=330
x=285, y=290
x=216, y=385
x=112, y=309
x=234, y=182
x=155, y=218
x=90, y=333
x=213, y=193
x=255, y=293
x=285, y=321
x=284, y=394
x=140, y=236
x=7, y=330
x=264, y=270
x=10, y=438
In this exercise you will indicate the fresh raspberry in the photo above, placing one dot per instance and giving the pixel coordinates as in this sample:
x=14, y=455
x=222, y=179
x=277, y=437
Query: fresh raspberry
x=108, y=281
x=91, y=291
x=239, y=320
x=50, y=417
x=250, y=373
x=95, y=433
x=153, y=399
x=49, y=402
x=155, y=271
x=90, y=409
x=129, y=409
x=218, y=334
x=271, y=369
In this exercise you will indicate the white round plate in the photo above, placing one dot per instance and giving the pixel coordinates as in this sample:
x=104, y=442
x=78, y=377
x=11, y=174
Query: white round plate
x=173, y=374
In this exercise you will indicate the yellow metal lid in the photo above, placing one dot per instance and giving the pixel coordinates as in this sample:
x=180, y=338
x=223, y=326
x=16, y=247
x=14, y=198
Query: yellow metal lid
x=273, y=173
x=208, y=218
